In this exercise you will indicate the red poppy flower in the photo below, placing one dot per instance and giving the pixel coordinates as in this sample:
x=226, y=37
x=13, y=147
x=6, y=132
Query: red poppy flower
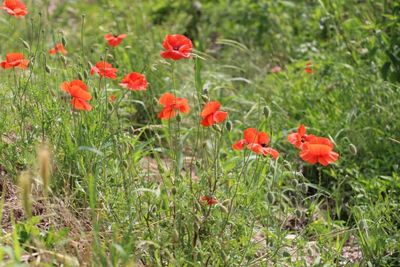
x=104, y=69
x=58, y=48
x=212, y=115
x=176, y=47
x=172, y=105
x=114, y=40
x=209, y=200
x=309, y=68
x=319, y=149
x=298, y=139
x=134, y=81
x=79, y=92
x=276, y=69
x=257, y=142
x=15, y=8
x=15, y=60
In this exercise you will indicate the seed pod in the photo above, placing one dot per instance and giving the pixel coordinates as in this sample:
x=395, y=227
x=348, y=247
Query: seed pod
x=267, y=112
x=47, y=68
x=44, y=163
x=25, y=185
x=353, y=149
x=229, y=125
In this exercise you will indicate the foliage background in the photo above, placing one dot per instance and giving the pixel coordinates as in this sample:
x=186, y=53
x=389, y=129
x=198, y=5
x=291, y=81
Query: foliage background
x=353, y=97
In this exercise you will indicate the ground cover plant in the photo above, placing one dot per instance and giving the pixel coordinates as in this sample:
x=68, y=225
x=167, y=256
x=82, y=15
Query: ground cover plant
x=200, y=133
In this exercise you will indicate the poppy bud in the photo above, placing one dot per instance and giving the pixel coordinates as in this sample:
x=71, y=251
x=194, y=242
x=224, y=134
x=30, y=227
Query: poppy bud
x=229, y=126
x=101, y=58
x=353, y=149
x=85, y=74
x=299, y=213
x=178, y=117
x=175, y=236
x=63, y=41
x=80, y=76
x=27, y=46
x=286, y=254
x=110, y=56
x=198, y=164
x=267, y=112
x=223, y=209
x=173, y=190
x=40, y=13
x=64, y=59
x=205, y=91
x=363, y=225
x=304, y=188
x=271, y=197
x=216, y=127
x=47, y=68
x=226, y=202
x=295, y=183
x=25, y=185
x=205, y=98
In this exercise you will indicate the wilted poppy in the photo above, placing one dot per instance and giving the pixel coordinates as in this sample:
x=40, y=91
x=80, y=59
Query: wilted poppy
x=276, y=69
x=15, y=8
x=257, y=142
x=104, y=69
x=212, y=115
x=134, y=81
x=319, y=149
x=172, y=105
x=309, y=68
x=176, y=47
x=79, y=92
x=209, y=200
x=114, y=40
x=58, y=48
x=112, y=98
x=299, y=138
x=15, y=60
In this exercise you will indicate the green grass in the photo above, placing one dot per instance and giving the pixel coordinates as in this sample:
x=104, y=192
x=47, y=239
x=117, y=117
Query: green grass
x=125, y=186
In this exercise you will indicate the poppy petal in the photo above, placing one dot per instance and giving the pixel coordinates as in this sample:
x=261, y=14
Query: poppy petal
x=250, y=134
x=210, y=108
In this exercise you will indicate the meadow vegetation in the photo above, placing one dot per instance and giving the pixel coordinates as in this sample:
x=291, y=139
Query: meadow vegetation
x=112, y=171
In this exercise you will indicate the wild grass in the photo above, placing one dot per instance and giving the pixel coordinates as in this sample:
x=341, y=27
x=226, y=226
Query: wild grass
x=116, y=186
